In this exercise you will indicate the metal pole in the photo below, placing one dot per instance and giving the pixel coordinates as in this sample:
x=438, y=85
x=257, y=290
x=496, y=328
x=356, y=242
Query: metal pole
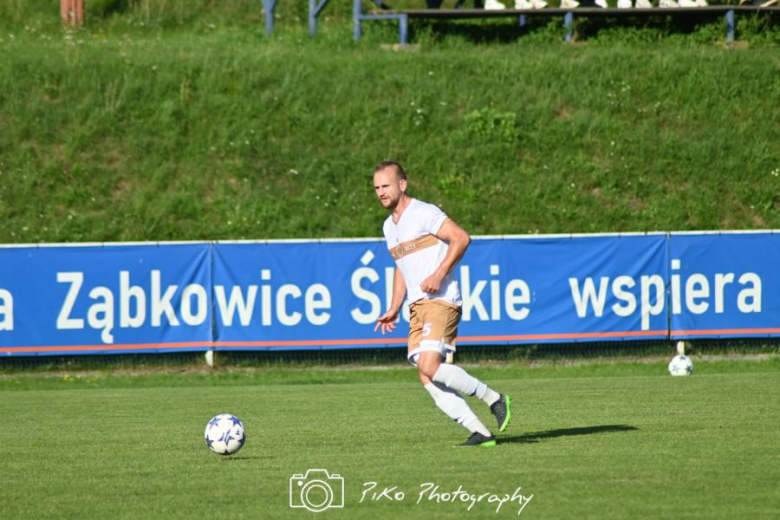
x=268, y=6
x=356, y=14
x=403, y=29
x=730, y=26
x=568, y=22
x=312, y=18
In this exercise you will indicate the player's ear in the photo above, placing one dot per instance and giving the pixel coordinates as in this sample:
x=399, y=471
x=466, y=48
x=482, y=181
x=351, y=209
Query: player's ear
x=402, y=185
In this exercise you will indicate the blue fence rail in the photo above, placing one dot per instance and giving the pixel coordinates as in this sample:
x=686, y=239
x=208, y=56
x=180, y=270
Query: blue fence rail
x=569, y=14
x=385, y=12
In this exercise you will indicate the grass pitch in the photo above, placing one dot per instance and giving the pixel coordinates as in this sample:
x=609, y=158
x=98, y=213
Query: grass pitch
x=587, y=441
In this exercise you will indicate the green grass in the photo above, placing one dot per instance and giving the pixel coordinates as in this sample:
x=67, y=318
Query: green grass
x=597, y=441
x=164, y=128
x=180, y=119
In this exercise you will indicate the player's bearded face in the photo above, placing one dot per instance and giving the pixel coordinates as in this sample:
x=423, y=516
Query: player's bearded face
x=388, y=187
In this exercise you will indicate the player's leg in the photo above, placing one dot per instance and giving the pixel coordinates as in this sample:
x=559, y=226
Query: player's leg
x=452, y=404
x=457, y=378
x=427, y=354
x=437, y=332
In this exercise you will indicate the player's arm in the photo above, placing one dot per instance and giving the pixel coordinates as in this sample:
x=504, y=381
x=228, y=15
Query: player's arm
x=458, y=241
x=387, y=321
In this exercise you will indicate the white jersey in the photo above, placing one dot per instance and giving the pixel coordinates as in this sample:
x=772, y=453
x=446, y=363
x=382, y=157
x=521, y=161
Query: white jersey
x=418, y=252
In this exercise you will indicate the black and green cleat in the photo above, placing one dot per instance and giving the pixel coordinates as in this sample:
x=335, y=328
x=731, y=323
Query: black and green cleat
x=502, y=410
x=479, y=440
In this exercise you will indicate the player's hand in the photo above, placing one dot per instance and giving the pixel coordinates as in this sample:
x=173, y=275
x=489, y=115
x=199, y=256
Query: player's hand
x=432, y=284
x=387, y=322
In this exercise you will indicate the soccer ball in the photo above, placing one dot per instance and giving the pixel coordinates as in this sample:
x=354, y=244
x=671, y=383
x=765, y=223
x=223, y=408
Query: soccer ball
x=681, y=366
x=225, y=434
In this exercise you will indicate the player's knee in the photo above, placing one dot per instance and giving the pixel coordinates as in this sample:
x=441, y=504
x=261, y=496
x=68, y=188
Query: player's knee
x=428, y=365
x=425, y=380
x=426, y=373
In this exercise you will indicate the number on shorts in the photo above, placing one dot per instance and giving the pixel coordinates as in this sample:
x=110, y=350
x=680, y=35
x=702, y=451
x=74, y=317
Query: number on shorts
x=426, y=329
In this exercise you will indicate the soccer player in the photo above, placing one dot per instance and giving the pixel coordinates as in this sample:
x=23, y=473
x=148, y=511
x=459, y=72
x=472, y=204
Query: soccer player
x=426, y=246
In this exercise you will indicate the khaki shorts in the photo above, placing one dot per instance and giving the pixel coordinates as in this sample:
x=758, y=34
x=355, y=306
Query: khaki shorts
x=433, y=326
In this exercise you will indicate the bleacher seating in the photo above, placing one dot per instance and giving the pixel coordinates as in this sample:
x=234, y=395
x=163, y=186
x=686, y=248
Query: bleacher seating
x=384, y=12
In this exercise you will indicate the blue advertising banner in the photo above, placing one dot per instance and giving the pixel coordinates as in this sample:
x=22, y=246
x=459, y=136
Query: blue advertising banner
x=313, y=295
x=564, y=289
x=96, y=299
x=329, y=294
x=301, y=294
x=724, y=285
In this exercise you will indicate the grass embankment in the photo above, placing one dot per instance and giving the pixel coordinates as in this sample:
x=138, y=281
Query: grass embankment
x=170, y=132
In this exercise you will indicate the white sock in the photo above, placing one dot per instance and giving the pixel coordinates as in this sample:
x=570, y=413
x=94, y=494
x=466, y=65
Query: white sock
x=475, y=425
x=452, y=376
x=456, y=408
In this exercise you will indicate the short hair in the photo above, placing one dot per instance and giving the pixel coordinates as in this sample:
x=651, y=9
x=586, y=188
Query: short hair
x=399, y=170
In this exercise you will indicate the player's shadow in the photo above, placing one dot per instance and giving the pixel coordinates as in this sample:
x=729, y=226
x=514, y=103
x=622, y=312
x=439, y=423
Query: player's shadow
x=532, y=437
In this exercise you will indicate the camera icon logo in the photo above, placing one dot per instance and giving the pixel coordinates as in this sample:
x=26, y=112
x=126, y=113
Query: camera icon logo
x=317, y=490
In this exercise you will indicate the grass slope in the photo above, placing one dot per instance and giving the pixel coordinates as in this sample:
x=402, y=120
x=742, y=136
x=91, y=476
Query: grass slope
x=618, y=445
x=123, y=132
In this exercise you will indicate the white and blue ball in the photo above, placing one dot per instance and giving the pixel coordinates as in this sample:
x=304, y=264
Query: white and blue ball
x=225, y=434
x=681, y=366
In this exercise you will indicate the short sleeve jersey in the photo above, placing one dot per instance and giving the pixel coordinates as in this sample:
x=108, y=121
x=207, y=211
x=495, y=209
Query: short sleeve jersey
x=418, y=252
